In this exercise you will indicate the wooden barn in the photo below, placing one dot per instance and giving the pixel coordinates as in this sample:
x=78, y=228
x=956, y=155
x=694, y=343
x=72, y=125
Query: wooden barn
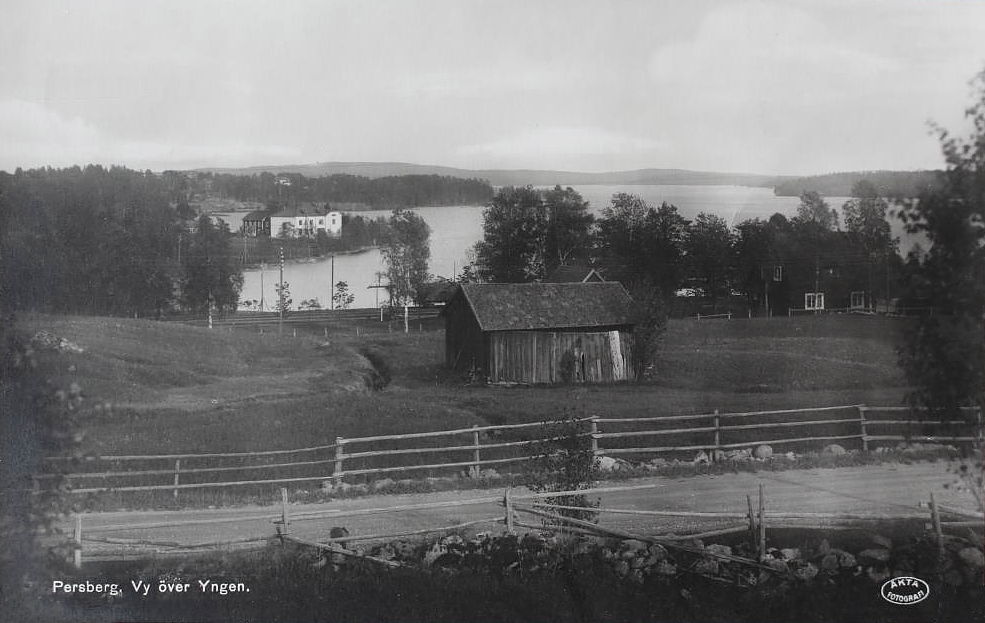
x=541, y=332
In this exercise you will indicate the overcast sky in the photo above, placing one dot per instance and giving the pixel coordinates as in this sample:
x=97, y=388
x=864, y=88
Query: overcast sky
x=762, y=87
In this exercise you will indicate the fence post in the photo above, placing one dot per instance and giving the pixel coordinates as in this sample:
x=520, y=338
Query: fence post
x=762, y=523
x=177, y=468
x=77, y=554
x=594, y=434
x=508, y=502
x=861, y=422
x=718, y=431
x=936, y=519
x=285, y=517
x=475, y=452
x=339, y=456
x=752, y=523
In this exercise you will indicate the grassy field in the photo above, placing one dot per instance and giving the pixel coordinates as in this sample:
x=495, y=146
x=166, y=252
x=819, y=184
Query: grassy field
x=165, y=387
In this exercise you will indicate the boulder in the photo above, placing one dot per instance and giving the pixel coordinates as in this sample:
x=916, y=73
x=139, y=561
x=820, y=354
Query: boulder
x=738, y=455
x=973, y=557
x=701, y=458
x=722, y=550
x=763, y=452
x=606, y=464
x=834, y=449
x=790, y=553
x=806, y=572
x=665, y=567
x=706, y=567
x=830, y=562
x=875, y=554
x=383, y=483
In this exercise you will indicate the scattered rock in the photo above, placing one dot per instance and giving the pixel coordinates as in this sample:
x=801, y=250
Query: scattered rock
x=834, y=449
x=973, y=557
x=701, y=458
x=48, y=340
x=790, y=553
x=621, y=568
x=763, y=452
x=875, y=554
x=830, y=562
x=609, y=464
x=738, y=455
x=718, y=456
x=383, y=483
x=666, y=568
x=707, y=566
x=657, y=463
x=657, y=553
x=882, y=541
x=488, y=474
x=846, y=560
x=807, y=572
x=722, y=550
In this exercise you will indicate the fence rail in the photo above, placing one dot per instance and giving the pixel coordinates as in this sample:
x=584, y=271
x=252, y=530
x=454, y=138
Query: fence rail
x=257, y=319
x=547, y=506
x=479, y=447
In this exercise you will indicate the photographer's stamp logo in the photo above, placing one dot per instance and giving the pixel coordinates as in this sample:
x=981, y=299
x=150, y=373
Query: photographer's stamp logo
x=905, y=590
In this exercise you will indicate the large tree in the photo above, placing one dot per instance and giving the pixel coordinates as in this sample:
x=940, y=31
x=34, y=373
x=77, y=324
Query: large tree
x=868, y=230
x=512, y=249
x=407, y=251
x=943, y=352
x=213, y=279
x=568, y=228
x=640, y=242
x=814, y=212
x=709, y=252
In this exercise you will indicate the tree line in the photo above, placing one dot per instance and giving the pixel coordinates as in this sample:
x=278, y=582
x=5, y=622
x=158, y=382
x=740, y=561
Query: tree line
x=529, y=233
x=104, y=241
x=397, y=191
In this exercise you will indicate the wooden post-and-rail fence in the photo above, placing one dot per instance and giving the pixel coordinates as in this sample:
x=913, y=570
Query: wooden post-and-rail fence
x=478, y=448
x=96, y=545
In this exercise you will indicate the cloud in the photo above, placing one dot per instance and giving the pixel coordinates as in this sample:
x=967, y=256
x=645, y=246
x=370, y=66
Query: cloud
x=755, y=53
x=36, y=136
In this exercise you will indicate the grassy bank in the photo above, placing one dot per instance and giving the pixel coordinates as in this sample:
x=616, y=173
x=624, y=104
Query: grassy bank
x=165, y=388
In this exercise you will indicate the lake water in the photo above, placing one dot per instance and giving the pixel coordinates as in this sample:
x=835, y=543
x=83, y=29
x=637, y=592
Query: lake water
x=455, y=229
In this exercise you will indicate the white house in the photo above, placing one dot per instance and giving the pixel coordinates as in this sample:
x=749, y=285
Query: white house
x=305, y=220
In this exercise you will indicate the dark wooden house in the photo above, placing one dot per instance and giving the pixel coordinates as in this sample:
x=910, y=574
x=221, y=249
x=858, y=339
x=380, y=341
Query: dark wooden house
x=541, y=332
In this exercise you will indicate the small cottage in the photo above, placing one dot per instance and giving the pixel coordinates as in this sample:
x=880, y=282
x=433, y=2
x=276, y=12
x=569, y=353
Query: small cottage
x=541, y=332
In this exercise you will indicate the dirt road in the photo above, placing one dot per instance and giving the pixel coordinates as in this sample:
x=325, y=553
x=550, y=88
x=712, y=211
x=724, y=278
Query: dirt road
x=890, y=489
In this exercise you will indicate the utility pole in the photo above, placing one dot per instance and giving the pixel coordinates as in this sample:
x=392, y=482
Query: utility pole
x=280, y=302
x=263, y=267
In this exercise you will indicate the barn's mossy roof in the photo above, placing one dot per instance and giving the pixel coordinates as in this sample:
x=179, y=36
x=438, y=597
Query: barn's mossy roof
x=525, y=306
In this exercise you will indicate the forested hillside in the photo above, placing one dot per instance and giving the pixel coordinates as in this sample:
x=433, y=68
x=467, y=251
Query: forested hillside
x=396, y=191
x=892, y=184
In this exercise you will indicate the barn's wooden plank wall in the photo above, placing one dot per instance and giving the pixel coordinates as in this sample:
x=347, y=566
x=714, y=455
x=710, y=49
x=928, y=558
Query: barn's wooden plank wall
x=552, y=356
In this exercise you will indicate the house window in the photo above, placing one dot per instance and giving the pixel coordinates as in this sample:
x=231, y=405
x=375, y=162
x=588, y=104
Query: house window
x=858, y=300
x=814, y=300
x=778, y=273
x=321, y=221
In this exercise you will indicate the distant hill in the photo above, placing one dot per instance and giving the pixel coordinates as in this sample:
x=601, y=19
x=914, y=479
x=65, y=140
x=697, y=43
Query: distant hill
x=893, y=184
x=519, y=177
